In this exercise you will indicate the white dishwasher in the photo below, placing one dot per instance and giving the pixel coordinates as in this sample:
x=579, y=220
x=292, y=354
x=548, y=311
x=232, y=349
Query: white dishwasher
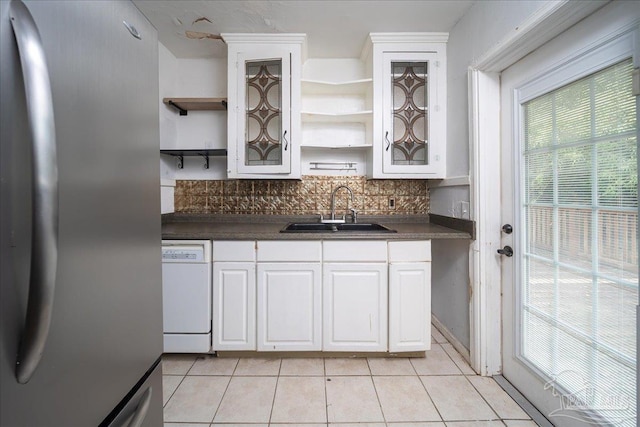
x=186, y=294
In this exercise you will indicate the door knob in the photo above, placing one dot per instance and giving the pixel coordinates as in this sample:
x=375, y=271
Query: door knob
x=507, y=228
x=507, y=250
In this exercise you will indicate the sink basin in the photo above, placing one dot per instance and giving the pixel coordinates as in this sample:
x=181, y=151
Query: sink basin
x=316, y=227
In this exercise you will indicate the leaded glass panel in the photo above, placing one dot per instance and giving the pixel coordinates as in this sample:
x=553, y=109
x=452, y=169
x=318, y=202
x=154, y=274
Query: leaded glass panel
x=263, y=112
x=410, y=113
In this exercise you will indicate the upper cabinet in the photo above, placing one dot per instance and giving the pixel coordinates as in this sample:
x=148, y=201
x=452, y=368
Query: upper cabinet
x=409, y=98
x=264, y=134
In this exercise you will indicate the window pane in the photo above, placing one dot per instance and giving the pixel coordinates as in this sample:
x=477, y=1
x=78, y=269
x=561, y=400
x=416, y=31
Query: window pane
x=580, y=281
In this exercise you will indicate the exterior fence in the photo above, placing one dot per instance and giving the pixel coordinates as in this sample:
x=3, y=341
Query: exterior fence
x=617, y=234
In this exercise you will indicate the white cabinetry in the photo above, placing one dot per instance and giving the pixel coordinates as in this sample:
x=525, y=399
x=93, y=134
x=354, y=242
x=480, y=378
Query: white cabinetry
x=409, y=120
x=355, y=296
x=264, y=133
x=351, y=296
x=409, y=296
x=289, y=296
x=337, y=104
x=234, y=295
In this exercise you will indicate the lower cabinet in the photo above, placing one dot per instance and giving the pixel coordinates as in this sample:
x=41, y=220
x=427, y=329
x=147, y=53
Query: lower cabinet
x=234, y=307
x=349, y=296
x=289, y=307
x=409, y=295
x=410, y=306
x=355, y=307
x=234, y=295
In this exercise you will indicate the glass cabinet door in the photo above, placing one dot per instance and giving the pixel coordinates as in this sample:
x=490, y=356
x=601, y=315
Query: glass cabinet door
x=407, y=92
x=264, y=116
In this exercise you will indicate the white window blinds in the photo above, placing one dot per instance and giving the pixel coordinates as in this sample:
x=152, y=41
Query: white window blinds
x=580, y=205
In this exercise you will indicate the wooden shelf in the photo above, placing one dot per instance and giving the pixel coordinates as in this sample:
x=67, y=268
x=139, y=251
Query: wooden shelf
x=196, y=152
x=183, y=105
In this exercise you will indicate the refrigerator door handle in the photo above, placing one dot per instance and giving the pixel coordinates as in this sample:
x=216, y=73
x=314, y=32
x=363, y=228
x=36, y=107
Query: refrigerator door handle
x=142, y=409
x=44, y=233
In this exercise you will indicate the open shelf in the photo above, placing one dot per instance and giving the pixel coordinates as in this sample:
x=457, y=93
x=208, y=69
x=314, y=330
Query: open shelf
x=205, y=154
x=183, y=105
x=328, y=87
x=350, y=117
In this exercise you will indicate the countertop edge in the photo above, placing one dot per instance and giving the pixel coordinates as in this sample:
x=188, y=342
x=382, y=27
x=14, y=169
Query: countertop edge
x=267, y=227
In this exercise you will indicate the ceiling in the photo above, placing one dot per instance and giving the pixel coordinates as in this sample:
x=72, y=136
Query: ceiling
x=334, y=28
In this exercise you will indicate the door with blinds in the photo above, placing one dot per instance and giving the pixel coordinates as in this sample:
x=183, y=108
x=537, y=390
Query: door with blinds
x=570, y=192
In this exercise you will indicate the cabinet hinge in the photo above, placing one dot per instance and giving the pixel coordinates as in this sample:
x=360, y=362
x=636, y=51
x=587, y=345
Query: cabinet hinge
x=636, y=82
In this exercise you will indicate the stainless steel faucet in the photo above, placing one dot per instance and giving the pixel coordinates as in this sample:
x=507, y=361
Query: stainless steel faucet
x=333, y=220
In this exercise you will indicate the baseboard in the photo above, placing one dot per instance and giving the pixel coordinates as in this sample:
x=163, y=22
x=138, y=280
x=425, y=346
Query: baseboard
x=452, y=339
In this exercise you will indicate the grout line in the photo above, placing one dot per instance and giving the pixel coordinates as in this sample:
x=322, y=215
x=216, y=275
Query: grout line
x=326, y=396
x=522, y=401
x=275, y=391
x=222, y=398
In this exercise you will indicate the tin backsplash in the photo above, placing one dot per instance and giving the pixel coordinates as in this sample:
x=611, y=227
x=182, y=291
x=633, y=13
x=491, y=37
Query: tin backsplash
x=311, y=195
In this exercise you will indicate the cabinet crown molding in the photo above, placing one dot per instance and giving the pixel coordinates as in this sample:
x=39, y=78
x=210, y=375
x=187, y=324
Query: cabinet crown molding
x=404, y=37
x=409, y=37
x=257, y=38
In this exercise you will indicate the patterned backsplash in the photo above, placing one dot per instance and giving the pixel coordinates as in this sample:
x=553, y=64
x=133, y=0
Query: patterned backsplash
x=311, y=195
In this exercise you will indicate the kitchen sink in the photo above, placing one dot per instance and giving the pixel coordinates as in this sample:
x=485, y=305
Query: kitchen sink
x=316, y=227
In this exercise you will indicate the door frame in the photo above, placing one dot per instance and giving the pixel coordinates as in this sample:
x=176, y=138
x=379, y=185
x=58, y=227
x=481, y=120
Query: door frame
x=485, y=147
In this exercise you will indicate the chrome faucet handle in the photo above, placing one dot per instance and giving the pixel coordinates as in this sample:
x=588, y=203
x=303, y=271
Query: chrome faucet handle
x=354, y=215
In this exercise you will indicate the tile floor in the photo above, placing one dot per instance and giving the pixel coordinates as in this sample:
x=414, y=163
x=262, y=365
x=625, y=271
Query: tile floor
x=437, y=391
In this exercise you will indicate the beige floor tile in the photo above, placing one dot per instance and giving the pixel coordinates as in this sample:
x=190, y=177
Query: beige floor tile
x=185, y=425
x=239, y=425
x=302, y=367
x=300, y=400
x=475, y=424
x=177, y=364
x=390, y=366
x=437, y=336
x=296, y=425
x=352, y=400
x=456, y=399
x=247, y=400
x=169, y=385
x=429, y=424
x=357, y=425
x=346, y=366
x=520, y=423
x=404, y=399
x=257, y=366
x=435, y=362
x=211, y=365
x=458, y=360
x=498, y=399
x=196, y=399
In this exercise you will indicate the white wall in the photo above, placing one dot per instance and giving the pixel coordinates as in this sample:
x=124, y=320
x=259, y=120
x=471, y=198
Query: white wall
x=484, y=25
x=190, y=78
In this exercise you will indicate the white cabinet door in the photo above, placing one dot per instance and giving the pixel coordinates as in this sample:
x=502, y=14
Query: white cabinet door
x=263, y=87
x=234, y=306
x=410, y=306
x=410, y=104
x=289, y=307
x=355, y=307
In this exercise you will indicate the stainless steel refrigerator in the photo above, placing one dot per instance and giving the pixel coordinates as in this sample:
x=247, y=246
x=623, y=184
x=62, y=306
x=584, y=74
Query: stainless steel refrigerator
x=80, y=290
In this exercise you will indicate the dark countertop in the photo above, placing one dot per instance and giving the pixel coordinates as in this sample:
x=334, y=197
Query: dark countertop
x=267, y=227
